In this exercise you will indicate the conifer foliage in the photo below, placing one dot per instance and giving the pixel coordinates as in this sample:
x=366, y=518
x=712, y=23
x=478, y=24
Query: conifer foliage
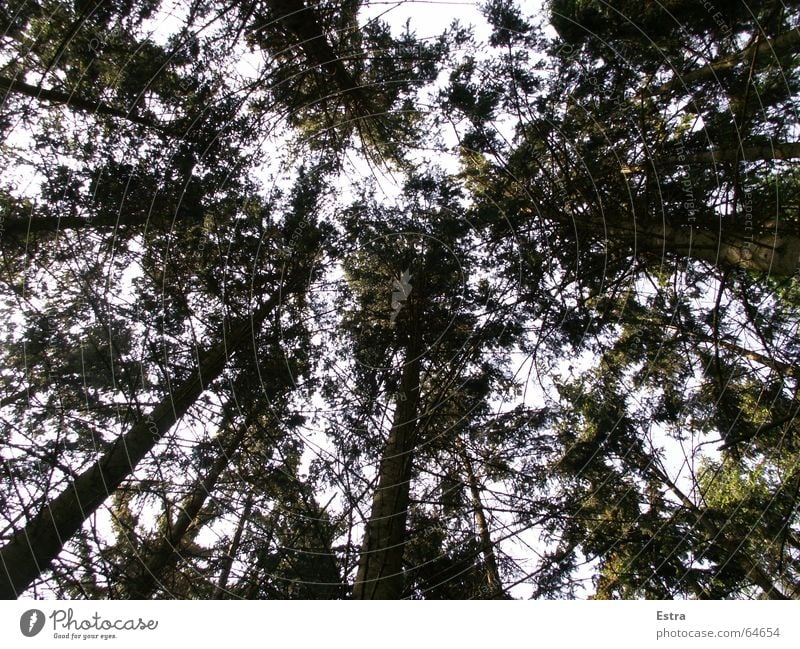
x=303, y=301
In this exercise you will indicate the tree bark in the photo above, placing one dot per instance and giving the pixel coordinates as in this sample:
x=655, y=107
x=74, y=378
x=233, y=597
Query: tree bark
x=233, y=549
x=776, y=151
x=380, y=566
x=75, y=102
x=757, y=357
x=778, y=366
x=775, y=254
x=167, y=550
x=493, y=583
x=22, y=227
x=772, y=151
x=736, y=553
x=757, y=52
x=31, y=549
x=302, y=21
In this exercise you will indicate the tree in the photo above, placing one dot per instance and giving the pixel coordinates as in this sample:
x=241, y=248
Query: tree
x=61, y=516
x=436, y=348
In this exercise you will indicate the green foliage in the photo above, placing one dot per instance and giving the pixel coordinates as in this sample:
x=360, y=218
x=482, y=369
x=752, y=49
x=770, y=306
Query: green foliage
x=573, y=258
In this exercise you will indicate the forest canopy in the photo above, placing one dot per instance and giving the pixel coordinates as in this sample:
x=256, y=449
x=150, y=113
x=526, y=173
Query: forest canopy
x=305, y=300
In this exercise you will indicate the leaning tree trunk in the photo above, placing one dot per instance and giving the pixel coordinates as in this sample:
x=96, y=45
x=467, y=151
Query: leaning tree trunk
x=735, y=549
x=778, y=150
x=380, y=566
x=31, y=549
x=166, y=551
x=75, y=102
x=776, y=254
x=23, y=227
x=233, y=549
x=494, y=587
x=760, y=52
x=302, y=20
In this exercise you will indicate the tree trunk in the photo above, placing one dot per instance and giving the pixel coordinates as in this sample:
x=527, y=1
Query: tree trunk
x=758, y=357
x=20, y=395
x=772, y=151
x=72, y=101
x=494, y=586
x=767, y=361
x=302, y=21
x=758, y=52
x=776, y=254
x=233, y=549
x=22, y=227
x=167, y=550
x=737, y=553
x=31, y=550
x=380, y=566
